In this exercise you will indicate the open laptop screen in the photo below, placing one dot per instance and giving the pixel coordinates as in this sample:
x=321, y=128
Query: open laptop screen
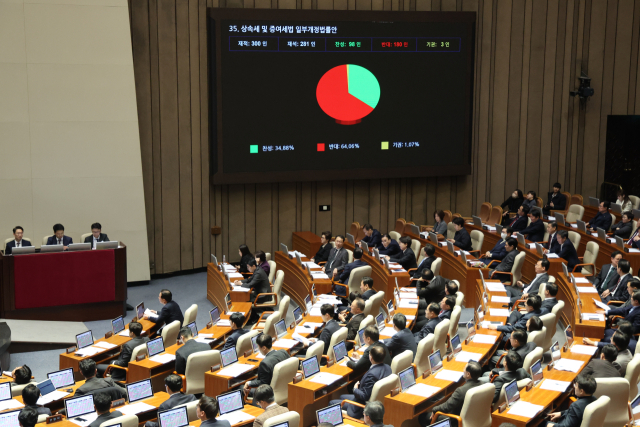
x=297, y=314
x=380, y=320
x=84, y=339
x=140, y=310
x=62, y=378
x=281, y=328
x=331, y=414
x=455, y=343
x=435, y=360
x=254, y=343
x=176, y=417
x=46, y=387
x=361, y=336
x=340, y=351
x=230, y=402
x=194, y=329
x=155, y=346
x=307, y=302
x=215, y=315
x=10, y=419
x=5, y=391
x=471, y=329
x=117, y=325
x=536, y=371
x=407, y=378
x=511, y=392
x=77, y=406
x=310, y=366
x=139, y=390
x=443, y=423
x=228, y=356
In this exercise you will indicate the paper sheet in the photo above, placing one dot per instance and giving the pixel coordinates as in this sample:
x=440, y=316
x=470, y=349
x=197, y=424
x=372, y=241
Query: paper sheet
x=555, y=385
x=423, y=390
x=125, y=333
x=303, y=330
x=496, y=287
x=532, y=245
x=163, y=358
x=587, y=290
x=296, y=336
x=236, y=369
x=314, y=324
x=235, y=276
x=574, y=225
x=593, y=316
x=408, y=297
x=594, y=234
x=236, y=417
x=408, y=304
x=319, y=275
x=88, y=351
x=104, y=344
x=409, y=290
x=409, y=317
x=490, y=228
x=633, y=250
x=10, y=404
x=325, y=378
x=315, y=311
x=203, y=339
x=484, y=339
x=589, y=350
x=550, y=255
x=285, y=343
x=465, y=356
x=223, y=322
x=570, y=365
x=582, y=280
x=387, y=331
x=310, y=264
x=136, y=408
x=495, y=298
x=447, y=375
x=499, y=312
x=525, y=409
x=88, y=419
x=442, y=243
x=54, y=395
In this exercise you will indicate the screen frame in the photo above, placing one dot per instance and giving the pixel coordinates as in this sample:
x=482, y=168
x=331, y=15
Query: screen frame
x=177, y=408
x=60, y=370
x=138, y=382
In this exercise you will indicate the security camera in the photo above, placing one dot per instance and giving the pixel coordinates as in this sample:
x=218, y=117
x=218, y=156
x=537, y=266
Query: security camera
x=585, y=90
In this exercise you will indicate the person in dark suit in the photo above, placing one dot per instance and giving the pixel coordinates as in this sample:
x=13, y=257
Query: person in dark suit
x=102, y=402
x=59, y=238
x=517, y=320
x=96, y=235
x=366, y=288
x=261, y=261
x=338, y=258
x=624, y=327
x=555, y=200
x=189, y=347
x=552, y=245
x=608, y=274
x=530, y=200
x=28, y=417
x=453, y=405
x=92, y=382
x=372, y=237
x=446, y=307
x=389, y=246
x=271, y=359
x=513, y=371
x=245, y=257
x=439, y=226
x=431, y=288
x=207, y=410
x=331, y=326
x=237, y=321
x=519, y=222
x=618, y=289
x=511, y=205
x=406, y=258
x=429, y=256
x=519, y=344
x=584, y=387
x=507, y=263
x=522, y=290
x=362, y=389
x=602, y=218
x=630, y=313
x=135, y=331
x=621, y=341
x=429, y=328
x=344, y=276
x=17, y=242
x=169, y=313
x=604, y=366
x=568, y=251
x=353, y=319
x=373, y=415
x=633, y=285
x=258, y=282
x=172, y=385
x=403, y=338
x=371, y=339
x=323, y=253
x=30, y=395
x=625, y=227
x=461, y=239
x=535, y=231
x=499, y=251
x=550, y=301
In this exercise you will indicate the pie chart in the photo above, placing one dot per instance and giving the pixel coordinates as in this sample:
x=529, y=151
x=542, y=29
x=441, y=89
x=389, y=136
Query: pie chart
x=348, y=93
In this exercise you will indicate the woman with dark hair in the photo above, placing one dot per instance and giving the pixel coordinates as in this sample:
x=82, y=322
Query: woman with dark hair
x=247, y=256
x=624, y=201
x=511, y=205
x=261, y=260
x=530, y=200
x=439, y=226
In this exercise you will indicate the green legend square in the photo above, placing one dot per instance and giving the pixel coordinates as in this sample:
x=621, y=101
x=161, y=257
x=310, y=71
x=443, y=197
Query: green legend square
x=253, y=149
x=385, y=145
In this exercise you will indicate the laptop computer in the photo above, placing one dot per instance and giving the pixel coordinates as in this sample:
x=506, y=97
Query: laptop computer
x=331, y=414
x=620, y=243
x=582, y=226
x=284, y=424
x=10, y=419
x=568, y=333
x=310, y=367
x=84, y=339
x=477, y=221
x=602, y=235
x=106, y=245
x=140, y=310
x=555, y=351
x=616, y=208
x=340, y=351
x=380, y=321
x=139, y=390
x=297, y=315
x=230, y=402
x=214, y=260
x=471, y=330
x=414, y=229
x=407, y=378
x=350, y=239
x=463, y=255
x=214, y=314
x=307, y=303
x=559, y=218
x=594, y=201
x=117, y=325
x=498, y=229
x=254, y=344
x=433, y=237
x=79, y=247
x=361, y=337
x=228, y=356
x=50, y=248
x=76, y=407
x=565, y=270
x=62, y=378
x=520, y=238
x=194, y=329
x=281, y=328
x=284, y=248
x=23, y=250
x=435, y=361
x=155, y=346
x=456, y=346
x=299, y=260
x=376, y=254
x=480, y=313
x=536, y=372
x=46, y=387
x=364, y=246
x=451, y=248
x=512, y=394
x=227, y=299
x=176, y=417
x=540, y=250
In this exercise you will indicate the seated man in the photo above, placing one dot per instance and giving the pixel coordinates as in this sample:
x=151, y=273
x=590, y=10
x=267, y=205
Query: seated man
x=21, y=374
x=517, y=320
x=189, y=347
x=373, y=415
x=621, y=342
x=59, y=238
x=92, y=382
x=604, y=366
x=461, y=239
x=258, y=282
x=507, y=263
x=431, y=288
x=323, y=253
x=338, y=259
x=353, y=319
x=607, y=277
x=618, y=291
x=371, y=339
x=630, y=313
x=451, y=289
x=172, y=385
x=567, y=251
x=602, y=218
x=552, y=245
x=555, y=200
x=28, y=417
x=535, y=231
x=513, y=371
x=522, y=290
x=550, y=301
x=446, y=307
x=499, y=251
x=429, y=328
x=17, y=242
x=519, y=222
x=344, y=276
x=265, y=369
x=237, y=321
x=625, y=327
x=30, y=396
x=331, y=326
x=135, y=332
x=169, y=313
x=102, y=402
x=362, y=389
x=406, y=258
x=584, y=387
x=429, y=256
x=519, y=344
x=372, y=237
x=403, y=338
x=96, y=235
x=625, y=227
x=366, y=288
x=389, y=246
x=265, y=398
x=633, y=285
x=634, y=240
x=207, y=410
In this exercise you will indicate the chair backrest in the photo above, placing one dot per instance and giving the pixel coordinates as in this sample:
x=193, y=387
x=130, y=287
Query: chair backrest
x=496, y=215
x=277, y=283
x=368, y=305
x=425, y=348
x=448, y=216
x=356, y=275
x=340, y=335
x=82, y=237
x=12, y=238
x=190, y=314
x=575, y=213
x=476, y=410
x=45, y=238
x=435, y=266
x=395, y=235
x=635, y=226
x=590, y=256
x=421, y=256
x=291, y=417
x=575, y=238
x=477, y=239
x=401, y=361
x=170, y=333
x=367, y=321
x=283, y=307
x=541, y=290
x=635, y=201
x=197, y=364
x=595, y=413
x=244, y=342
x=613, y=220
x=451, y=230
x=350, y=252
x=316, y=350
x=16, y=389
x=42, y=418
x=459, y=297
x=399, y=226
x=453, y=322
x=632, y=374
x=353, y=230
x=270, y=323
x=384, y=386
x=536, y=354
x=415, y=247
x=192, y=410
x=137, y=351
x=272, y=270
x=283, y=374
x=378, y=300
x=125, y=420
x=568, y=196
x=557, y=308
x=485, y=211
x=617, y=389
x=549, y=322
x=537, y=337
x=576, y=199
x=267, y=256
x=440, y=339
x=516, y=270
x=539, y=202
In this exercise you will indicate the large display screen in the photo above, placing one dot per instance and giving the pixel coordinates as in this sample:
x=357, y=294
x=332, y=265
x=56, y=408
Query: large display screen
x=324, y=95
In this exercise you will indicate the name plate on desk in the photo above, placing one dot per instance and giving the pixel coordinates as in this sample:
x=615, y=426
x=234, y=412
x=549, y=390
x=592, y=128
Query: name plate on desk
x=395, y=391
x=209, y=325
x=108, y=335
x=116, y=403
x=215, y=367
x=140, y=357
x=53, y=419
x=71, y=349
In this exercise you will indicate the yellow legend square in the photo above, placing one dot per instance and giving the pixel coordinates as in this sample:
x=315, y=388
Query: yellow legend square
x=385, y=145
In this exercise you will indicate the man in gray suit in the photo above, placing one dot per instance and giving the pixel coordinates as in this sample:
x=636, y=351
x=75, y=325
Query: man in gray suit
x=403, y=338
x=522, y=291
x=92, y=382
x=190, y=347
x=506, y=265
x=172, y=384
x=374, y=414
x=338, y=259
x=135, y=332
x=331, y=326
x=102, y=402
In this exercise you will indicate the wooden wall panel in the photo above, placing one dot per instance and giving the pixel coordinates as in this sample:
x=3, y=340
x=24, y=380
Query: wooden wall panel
x=526, y=131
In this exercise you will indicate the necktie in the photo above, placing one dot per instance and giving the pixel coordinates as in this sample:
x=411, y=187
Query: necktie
x=515, y=218
x=334, y=258
x=18, y=245
x=613, y=291
x=632, y=237
x=59, y=241
x=606, y=279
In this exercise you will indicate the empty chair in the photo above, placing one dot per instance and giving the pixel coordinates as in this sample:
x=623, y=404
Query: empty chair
x=435, y=267
x=531, y=358
x=353, y=230
x=425, y=347
x=617, y=389
x=399, y=226
x=557, y=308
x=575, y=238
x=340, y=335
x=291, y=417
x=485, y=211
x=476, y=410
x=440, y=339
x=459, y=297
x=635, y=202
x=190, y=314
x=170, y=333
x=632, y=375
x=244, y=342
x=588, y=261
x=283, y=307
x=595, y=413
x=283, y=374
x=401, y=362
x=395, y=235
x=368, y=305
x=453, y=322
x=270, y=323
x=197, y=365
x=496, y=215
x=124, y=421
x=575, y=213
x=549, y=322
x=537, y=337
x=477, y=239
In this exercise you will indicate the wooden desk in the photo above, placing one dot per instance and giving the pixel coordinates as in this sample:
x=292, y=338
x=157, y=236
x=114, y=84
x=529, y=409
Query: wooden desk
x=297, y=282
x=592, y=211
x=306, y=242
x=248, y=409
x=570, y=315
x=218, y=287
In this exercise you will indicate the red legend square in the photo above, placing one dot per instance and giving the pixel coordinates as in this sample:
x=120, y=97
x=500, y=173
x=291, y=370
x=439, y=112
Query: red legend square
x=320, y=147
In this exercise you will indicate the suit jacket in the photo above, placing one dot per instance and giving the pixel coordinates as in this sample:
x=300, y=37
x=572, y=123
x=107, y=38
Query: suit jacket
x=337, y=260
x=519, y=223
x=428, y=328
x=373, y=375
x=521, y=323
x=401, y=341
x=535, y=284
x=569, y=254
x=103, y=238
x=215, y=423
x=553, y=245
x=258, y=283
x=601, y=220
x=507, y=262
x=232, y=339
x=453, y=405
x=572, y=417
x=363, y=364
x=434, y=291
x=621, y=292
x=105, y=417
x=623, y=359
x=323, y=253
x=612, y=278
x=12, y=244
x=530, y=203
x=512, y=203
x=424, y=264
x=42, y=410
x=170, y=313
x=330, y=328
x=631, y=316
x=559, y=201
x=344, y=276
x=353, y=325
x=244, y=261
x=66, y=240
x=622, y=229
x=506, y=377
x=265, y=369
x=375, y=240
x=391, y=250
x=368, y=294
x=183, y=353
x=270, y=412
x=462, y=239
x=535, y=231
x=125, y=357
x=499, y=251
x=406, y=259
x=547, y=305
x=599, y=368
x=94, y=383
x=440, y=228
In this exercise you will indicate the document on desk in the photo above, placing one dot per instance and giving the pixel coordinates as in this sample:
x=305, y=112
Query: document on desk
x=495, y=298
x=236, y=369
x=408, y=296
x=423, y=390
x=325, y=378
x=409, y=317
x=582, y=280
x=104, y=344
x=241, y=289
x=163, y=358
x=10, y=404
x=303, y=330
x=570, y=365
x=285, y=343
x=465, y=356
x=496, y=287
x=555, y=385
x=593, y=316
x=532, y=245
x=125, y=333
x=442, y=243
x=589, y=350
x=315, y=311
x=229, y=267
x=296, y=336
x=203, y=339
x=223, y=322
x=319, y=275
x=86, y=419
x=236, y=417
x=525, y=409
x=88, y=351
x=633, y=250
x=574, y=225
x=310, y=264
x=446, y=374
x=151, y=314
x=550, y=255
x=387, y=331
x=484, y=339
x=314, y=324
x=601, y=305
x=499, y=312
x=235, y=275
x=53, y=396
x=587, y=290
x=136, y=408
x=408, y=303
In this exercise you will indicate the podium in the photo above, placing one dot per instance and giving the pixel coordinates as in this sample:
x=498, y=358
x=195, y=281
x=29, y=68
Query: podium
x=68, y=286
